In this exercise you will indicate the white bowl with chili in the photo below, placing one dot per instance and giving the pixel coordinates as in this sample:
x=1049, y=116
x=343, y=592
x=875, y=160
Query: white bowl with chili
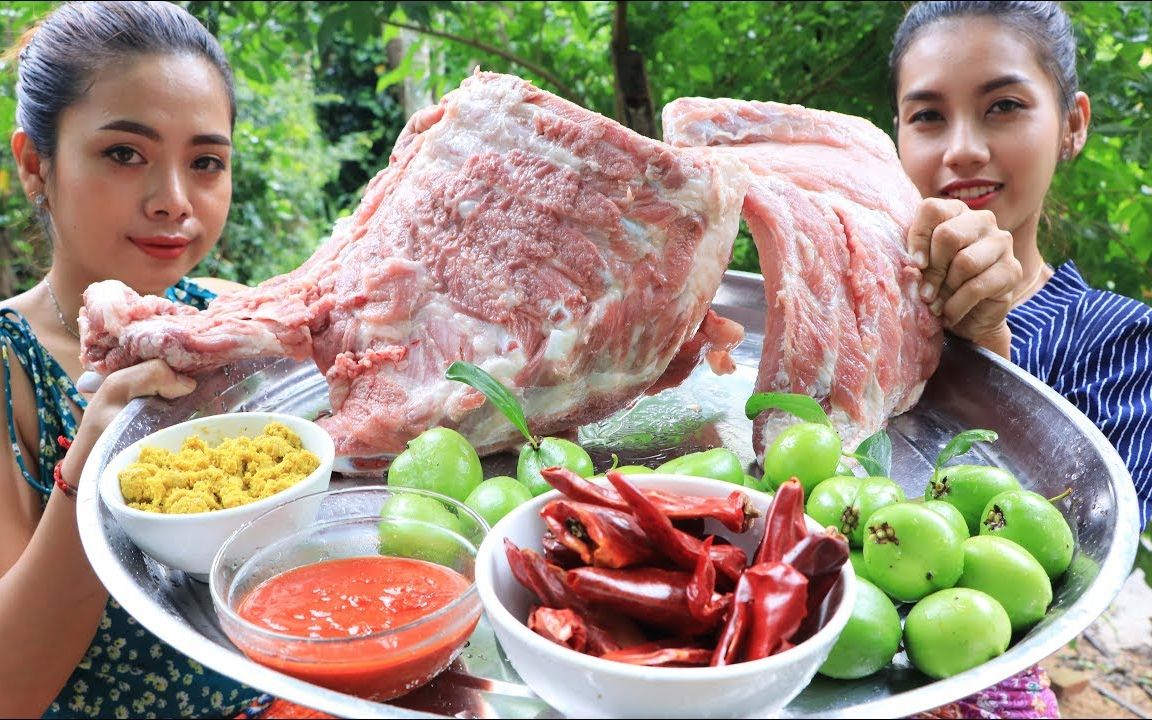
x=548, y=564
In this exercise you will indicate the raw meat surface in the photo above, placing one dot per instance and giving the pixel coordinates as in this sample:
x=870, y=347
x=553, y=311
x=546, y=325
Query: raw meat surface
x=565, y=254
x=829, y=209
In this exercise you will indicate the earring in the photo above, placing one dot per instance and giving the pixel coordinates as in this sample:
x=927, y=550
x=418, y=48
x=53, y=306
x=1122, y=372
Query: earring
x=40, y=200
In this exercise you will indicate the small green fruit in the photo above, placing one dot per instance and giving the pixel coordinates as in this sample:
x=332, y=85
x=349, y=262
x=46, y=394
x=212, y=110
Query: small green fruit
x=911, y=551
x=421, y=527
x=954, y=630
x=870, y=639
x=1010, y=574
x=969, y=488
x=808, y=451
x=718, y=463
x=438, y=459
x=496, y=497
x=1028, y=519
x=549, y=452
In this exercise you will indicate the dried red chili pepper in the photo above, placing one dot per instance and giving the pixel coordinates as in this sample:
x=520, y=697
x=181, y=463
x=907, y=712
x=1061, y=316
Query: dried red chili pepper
x=548, y=583
x=680, y=547
x=819, y=557
x=735, y=512
x=559, y=554
x=784, y=523
x=661, y=653
x=545, y=580
x=767, y=606
x=561, y=626
x=778, y=603
x=571, y=629
x=602, y=536
x=734, y=633
x=650, y=596
x=701, y=590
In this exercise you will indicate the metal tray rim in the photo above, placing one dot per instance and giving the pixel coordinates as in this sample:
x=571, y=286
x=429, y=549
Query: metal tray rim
x=1111, y=574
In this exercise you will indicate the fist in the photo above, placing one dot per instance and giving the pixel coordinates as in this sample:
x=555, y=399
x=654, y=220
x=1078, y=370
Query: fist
x=970, y=270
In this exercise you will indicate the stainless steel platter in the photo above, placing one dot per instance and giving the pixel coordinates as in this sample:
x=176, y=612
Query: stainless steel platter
x=1043, y=439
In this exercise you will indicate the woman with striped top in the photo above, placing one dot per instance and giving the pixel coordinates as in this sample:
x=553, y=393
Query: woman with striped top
x=987, y=109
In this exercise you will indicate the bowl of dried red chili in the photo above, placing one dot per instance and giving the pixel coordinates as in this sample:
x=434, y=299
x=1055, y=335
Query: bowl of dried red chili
x=373, y=596
x=664, y=595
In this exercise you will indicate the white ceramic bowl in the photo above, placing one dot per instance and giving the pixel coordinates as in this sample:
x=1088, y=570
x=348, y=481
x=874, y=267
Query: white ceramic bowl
x=189, y=541
x=580, y=685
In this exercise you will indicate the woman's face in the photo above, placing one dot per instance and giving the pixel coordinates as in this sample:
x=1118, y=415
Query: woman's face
x=141, y=183
x=979, y=120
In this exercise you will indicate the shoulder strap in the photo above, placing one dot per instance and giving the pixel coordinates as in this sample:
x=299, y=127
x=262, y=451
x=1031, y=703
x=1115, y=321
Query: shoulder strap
x=55, y=394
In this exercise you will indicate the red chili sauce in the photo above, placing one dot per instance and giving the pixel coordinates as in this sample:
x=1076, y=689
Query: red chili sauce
x=353, y=598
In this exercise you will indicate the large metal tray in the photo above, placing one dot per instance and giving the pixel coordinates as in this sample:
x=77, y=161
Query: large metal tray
x=1043, y=439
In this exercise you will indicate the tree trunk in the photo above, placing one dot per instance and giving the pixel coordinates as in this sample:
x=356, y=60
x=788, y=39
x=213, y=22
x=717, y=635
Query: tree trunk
x=633, y=97
x=414, y=94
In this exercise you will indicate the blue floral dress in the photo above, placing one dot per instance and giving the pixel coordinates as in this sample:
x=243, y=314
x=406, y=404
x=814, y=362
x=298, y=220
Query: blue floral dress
x=127, y=671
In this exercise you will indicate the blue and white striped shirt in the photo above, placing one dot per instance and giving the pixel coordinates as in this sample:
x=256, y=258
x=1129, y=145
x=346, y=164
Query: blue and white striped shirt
x=1095, y=348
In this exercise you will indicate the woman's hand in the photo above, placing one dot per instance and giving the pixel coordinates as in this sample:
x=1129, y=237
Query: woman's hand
x=970, y=271
x=153, y=377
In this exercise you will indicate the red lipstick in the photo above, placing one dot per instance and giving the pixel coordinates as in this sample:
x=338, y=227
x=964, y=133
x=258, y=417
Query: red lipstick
x=166, y=247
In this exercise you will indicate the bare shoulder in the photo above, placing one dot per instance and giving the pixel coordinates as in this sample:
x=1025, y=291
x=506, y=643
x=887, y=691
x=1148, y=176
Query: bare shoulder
x=219, y=285
x=20, y=303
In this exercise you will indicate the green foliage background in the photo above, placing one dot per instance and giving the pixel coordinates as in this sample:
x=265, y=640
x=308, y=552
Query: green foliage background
x=320, y=109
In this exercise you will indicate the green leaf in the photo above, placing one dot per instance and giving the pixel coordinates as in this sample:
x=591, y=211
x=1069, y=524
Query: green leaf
x=331, y=23
x=701, y=73
x=962, y=443
x=802, y=406
x=1144, y=556
x=875, y=454
x=397, y=74
x=494, y=390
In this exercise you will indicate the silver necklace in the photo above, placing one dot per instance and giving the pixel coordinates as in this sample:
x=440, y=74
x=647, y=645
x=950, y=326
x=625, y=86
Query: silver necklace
x=59, y=312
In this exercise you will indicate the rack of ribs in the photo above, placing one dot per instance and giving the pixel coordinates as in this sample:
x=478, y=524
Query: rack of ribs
x=828, y=208
x=567, y=255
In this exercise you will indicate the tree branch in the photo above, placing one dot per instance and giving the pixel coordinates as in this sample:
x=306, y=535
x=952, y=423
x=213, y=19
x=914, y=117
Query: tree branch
x=526, y=64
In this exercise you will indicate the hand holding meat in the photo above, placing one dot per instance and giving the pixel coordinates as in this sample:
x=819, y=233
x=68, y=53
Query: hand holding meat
x=970, y=271
x=148, y=378
x=145, y=379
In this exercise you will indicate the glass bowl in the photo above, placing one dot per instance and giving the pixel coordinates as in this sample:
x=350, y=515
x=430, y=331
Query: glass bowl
x=369, y=607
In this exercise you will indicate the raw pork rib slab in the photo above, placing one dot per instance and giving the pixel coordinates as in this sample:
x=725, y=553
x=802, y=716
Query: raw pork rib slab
x=829, y=209
x=565, y=254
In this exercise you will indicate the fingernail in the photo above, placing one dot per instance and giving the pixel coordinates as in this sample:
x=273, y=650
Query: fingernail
x=927, y=292
x=920, y=259
x=187, y=382
x=89, y=382
x=937, y=306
